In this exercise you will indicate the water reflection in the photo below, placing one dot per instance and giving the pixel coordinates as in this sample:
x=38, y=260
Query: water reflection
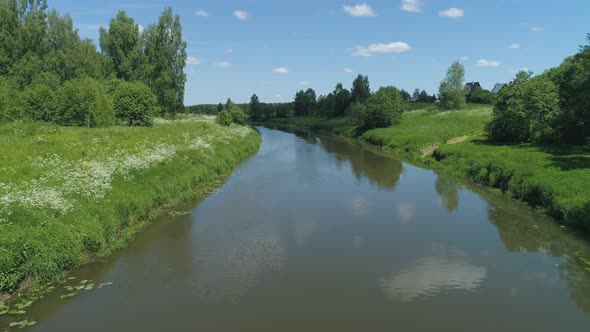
x=448, y=192
x=381, y=171
x=443, y=271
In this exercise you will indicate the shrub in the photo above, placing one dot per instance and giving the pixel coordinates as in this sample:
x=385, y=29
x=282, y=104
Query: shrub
x=357, y=113
x=224, y=118
x=526, y=111
x=384, y=108
x=9, y=95
x=134, y=103
x=85, y=103
x=482, y=97
x=238, y=115
x=40, y=102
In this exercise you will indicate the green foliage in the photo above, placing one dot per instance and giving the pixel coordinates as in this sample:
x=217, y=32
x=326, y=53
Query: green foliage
x=305, y=102
x=40, y=102
x=482, y=97
x=525, y=110
x=405, y=95
x=10, y=107
x=451, y=93
x=165, y=52
x=361, y=90
x=134, y=103
x=121, y=46
x=342, y=99
x=384, y=108
x=256, y=109
x=225, y=118
x=357, y=113
x=85, y=103
x=238, y=115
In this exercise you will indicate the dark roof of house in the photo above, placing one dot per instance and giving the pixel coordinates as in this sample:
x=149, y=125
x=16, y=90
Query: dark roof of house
x=470, y=87
x=498, y=87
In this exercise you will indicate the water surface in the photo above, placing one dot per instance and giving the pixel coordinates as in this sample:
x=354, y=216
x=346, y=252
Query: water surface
x=319, y=234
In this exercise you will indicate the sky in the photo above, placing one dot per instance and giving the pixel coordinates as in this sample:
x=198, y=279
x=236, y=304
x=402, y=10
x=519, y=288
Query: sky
x=275, y=47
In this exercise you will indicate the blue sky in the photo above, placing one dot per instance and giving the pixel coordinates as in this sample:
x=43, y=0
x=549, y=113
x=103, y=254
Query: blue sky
x=275, y=47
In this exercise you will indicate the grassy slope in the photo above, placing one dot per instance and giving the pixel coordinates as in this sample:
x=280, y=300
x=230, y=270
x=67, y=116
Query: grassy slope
x=69, y=195
x=556, y=178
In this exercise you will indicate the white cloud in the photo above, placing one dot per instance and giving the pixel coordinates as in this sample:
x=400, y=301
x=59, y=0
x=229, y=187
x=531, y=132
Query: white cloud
x=348, y=70
x=360, y=10
x=514, y=46
x=278, y=96
x=380, y=48
x=487, y=63
x=201, y=13
x=191, y=60
x=222, y=64
x=536, y=28
x=304, y=83
x=241, y=15
x=140, y=28
x=465, y=58
x=452, y=13
x=281, y=70
x=414, y=6
x=229, y=50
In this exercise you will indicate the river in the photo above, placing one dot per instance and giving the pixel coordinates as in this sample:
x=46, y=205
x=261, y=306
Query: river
x=315, y=233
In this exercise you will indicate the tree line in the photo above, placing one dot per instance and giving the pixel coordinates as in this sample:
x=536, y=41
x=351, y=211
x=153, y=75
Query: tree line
x=48, y=73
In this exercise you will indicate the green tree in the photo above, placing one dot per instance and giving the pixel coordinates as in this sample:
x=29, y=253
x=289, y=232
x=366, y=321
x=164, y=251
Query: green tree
x=361, y=90
x=40, y=101
x=134, y=103
x=357, y=113
x=482, y=97
x=416, y=95
x=219, y=107
x=238, y=115
x=256, y=109
x=228, y=103
x=224, y=118
x=342, y=99
x=85, y=103
x=405, y=95
x=165, y=52
x=121, y=46
x=384, y=108
x=451, y=93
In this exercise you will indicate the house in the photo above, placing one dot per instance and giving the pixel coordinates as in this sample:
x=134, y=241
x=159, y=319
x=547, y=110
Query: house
x=498, y=87
x=472, y=87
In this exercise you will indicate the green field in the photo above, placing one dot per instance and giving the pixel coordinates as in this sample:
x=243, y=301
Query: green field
x=69, y=195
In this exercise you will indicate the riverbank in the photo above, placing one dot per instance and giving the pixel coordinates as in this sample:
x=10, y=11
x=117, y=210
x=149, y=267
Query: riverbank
x=552, y=178
x=73, y=195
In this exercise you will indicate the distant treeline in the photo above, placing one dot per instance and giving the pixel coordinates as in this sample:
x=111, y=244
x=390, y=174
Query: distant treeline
x=48, y=73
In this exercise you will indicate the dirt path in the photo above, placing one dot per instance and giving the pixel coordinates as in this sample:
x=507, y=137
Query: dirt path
x=429, y=150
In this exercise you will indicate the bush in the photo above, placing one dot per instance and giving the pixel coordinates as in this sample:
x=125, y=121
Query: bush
x=482, y=97
x=526, y=111
x=40, y=102
x=357, y=113
x=134, y=103
x=238, y=115
x=384, y=108
x=224, y=118
x=9, y=95
x=85, y=103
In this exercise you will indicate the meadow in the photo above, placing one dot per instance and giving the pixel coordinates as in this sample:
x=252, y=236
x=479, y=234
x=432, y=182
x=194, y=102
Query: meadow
x=71, y=195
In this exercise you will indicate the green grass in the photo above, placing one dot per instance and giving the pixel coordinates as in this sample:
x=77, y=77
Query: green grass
x=555, y=178
x=420, y=129
x=70, y=195
x=339, y=126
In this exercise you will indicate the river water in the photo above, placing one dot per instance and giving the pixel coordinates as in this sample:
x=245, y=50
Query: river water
x=314, y=233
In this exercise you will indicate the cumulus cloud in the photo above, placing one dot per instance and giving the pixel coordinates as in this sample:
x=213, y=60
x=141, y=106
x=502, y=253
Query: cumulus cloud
x=241, y=15
x=487, y=63
x=191, y=60
x=380, y=48
x=201, y=13
x=452, y=13
x=514, y=46
x=414, y=6
x=465, y=58
x=222, y=64
x=281, y=70
x=348, y=70
x=360, y=10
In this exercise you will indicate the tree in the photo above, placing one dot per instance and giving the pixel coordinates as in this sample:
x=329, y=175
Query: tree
x=134, y=103
x=311, y=101
x=85, y=103
x=166, y=56
x=228, y=103
x=305, y=102
x=256, y=109
x=121, y=46
x=341, y=100
x=361, y=90
x=451, y=93
x=526, y=110
x=238, y=115
x=219, y=107
x=482, y=97
x=405, y=95
x=357, y=113
x=416, y=95
x=384, y=108
x=224, y=118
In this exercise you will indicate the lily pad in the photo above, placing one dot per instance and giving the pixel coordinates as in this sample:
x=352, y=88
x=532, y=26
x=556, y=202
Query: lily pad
x=68, y=295
x=89, y=287
x=17, y=312
x=69, y=288
x=24, y=305
x=72, y=278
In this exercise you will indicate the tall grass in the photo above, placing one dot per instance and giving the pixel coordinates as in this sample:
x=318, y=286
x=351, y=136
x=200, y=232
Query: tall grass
x=67, y=194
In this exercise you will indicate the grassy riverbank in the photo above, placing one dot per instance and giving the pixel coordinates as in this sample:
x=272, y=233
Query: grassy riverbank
x=69, y=195
x=554, y=178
